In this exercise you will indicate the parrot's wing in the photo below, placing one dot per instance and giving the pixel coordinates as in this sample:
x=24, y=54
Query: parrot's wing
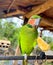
x=20, y=45
x=35, y=43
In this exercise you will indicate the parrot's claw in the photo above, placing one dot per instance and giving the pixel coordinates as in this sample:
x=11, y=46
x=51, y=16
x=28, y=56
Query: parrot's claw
x=25, y=56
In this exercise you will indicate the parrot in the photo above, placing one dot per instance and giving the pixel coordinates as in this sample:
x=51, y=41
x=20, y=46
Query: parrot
x=28, y=35
x=28, y=38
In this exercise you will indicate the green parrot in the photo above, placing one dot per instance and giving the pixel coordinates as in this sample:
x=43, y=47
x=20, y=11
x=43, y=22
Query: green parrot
x=28, y=35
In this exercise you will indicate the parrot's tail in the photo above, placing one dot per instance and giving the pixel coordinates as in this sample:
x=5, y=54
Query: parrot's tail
x=25, y=62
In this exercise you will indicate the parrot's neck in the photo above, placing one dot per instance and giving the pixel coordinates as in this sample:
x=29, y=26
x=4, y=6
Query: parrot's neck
x=30, y=26
x=31, y=22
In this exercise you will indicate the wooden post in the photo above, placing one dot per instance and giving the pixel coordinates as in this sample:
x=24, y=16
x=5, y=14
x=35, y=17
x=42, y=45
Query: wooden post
x=17, y=53
x=41, y=33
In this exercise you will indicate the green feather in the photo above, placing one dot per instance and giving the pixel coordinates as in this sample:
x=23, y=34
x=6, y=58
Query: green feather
x=35, y=16
x=27, y=37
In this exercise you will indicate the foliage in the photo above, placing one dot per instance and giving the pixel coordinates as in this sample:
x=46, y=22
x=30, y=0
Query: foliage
x=49, y=40
x=48, y=63
x=9, y=31
x=51, y=45
x=1, y=30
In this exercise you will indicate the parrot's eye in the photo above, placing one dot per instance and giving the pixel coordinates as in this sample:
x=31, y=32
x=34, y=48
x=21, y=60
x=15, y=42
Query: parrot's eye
x=30, y=26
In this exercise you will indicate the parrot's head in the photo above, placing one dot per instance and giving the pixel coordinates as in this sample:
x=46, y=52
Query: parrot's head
x=34, y=20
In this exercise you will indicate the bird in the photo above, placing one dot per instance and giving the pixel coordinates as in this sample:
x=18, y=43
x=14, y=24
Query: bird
x=28, y=35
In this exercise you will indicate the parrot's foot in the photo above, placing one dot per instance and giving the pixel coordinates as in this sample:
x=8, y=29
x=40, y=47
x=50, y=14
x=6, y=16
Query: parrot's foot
x=25, y=56
x=25, y=60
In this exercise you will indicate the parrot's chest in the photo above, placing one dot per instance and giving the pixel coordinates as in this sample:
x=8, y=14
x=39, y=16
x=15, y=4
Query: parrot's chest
x=27, y=37
x=26, y=42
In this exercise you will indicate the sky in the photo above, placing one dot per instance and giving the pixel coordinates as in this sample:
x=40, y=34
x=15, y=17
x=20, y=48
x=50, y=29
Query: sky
x=19, y=23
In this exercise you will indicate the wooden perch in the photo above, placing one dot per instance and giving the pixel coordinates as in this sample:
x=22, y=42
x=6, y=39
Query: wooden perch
x=40, y=9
